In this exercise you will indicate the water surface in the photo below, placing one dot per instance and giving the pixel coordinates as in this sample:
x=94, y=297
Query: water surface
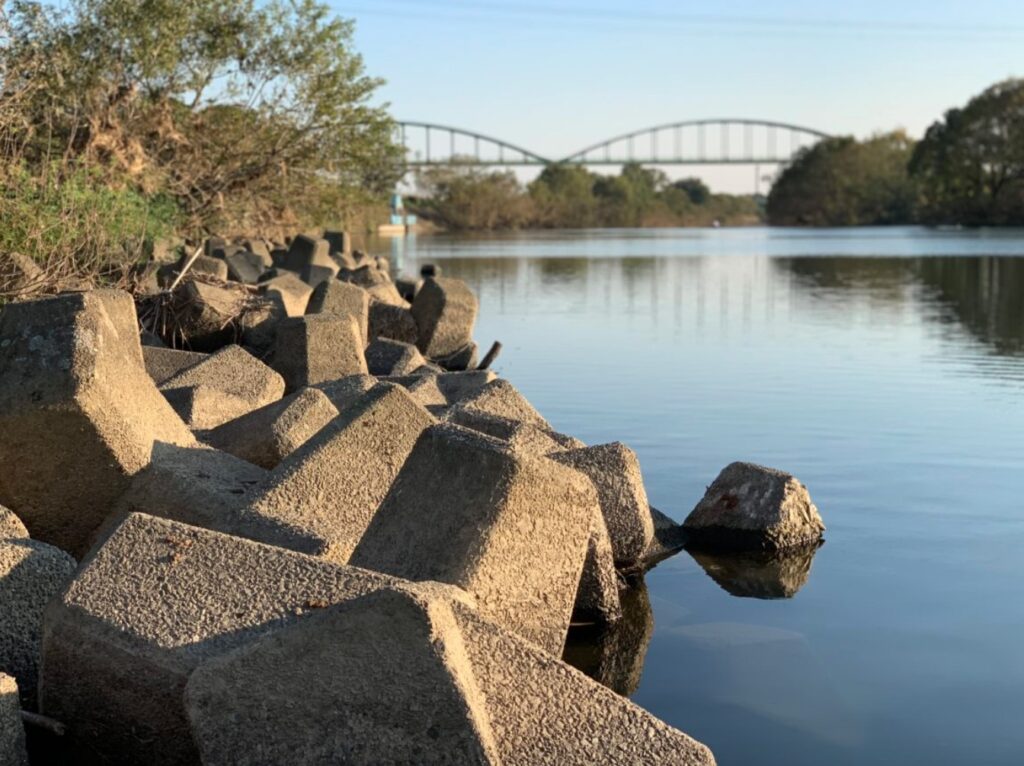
x=883, y=367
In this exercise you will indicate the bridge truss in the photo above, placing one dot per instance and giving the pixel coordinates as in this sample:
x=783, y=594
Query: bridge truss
x=722, y=141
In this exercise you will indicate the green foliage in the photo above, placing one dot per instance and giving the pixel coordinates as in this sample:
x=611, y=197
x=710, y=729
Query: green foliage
x=243, y=113
x=845, y=182
x=696, y=190
x=570, y=196
x=971, y=162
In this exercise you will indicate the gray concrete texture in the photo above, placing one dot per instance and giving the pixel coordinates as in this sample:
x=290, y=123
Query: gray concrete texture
x=343, y=299
x=750, y=506
x=331, y=487
x=266, y=436
x=318, y=348
x=445, y=311
x=509, y=528
x=78, y=413
x=12, y=732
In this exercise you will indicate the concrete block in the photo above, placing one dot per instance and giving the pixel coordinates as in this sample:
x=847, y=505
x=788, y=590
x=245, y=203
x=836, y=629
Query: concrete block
x=525, y=437
x=245, y=267
x=457, y=386
x=288, y=292
x=509, y=528
x=343, y=299
x=346, y=391
x=394, y=322
x=365, y=275
x=235, y=372
x=402, y=691
x=392, y=357
x=12, y=732
x=31, y=573
x=338, y=241
x=206, y=265
x=386, y=292
x=78, y=413
x=10, y=525
x=499, y=397
x=193, y=595
x=615, y=472
x=445, y=311
x=463, y=359
x=331, y=487
x=310, y=258
x=204, y=407
x=597, y=599
x=208, y=313
x=408, y=287
x=266, y=436
x=162, y=364
x=317, y=348
x=752, y=507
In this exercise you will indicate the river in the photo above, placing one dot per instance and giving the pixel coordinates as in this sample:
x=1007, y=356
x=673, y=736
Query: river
x=885, y=369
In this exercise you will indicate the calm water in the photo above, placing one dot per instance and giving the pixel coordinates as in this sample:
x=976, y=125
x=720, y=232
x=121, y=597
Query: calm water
x=885, y=368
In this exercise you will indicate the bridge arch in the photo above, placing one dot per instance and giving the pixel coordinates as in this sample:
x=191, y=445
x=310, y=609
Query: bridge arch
x=451, y=137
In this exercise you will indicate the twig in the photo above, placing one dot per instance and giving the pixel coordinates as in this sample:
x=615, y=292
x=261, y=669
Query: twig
x=488, y=360
x=42, y=722
x=184, y=271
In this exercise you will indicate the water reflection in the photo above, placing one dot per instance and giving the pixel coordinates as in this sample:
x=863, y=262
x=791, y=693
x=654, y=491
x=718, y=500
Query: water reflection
x=614, y=655
x=759, y=574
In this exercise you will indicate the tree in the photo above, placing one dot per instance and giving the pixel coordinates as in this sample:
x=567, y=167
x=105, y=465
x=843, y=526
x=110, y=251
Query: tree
x=563, y=196
x=695, y=189
x=464, y=197
x=971, y=162
x=845, y=182
x=236, y=108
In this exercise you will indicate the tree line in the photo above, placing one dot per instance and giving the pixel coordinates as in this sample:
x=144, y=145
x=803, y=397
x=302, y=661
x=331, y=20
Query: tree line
x=968, y=169
x=463, y=197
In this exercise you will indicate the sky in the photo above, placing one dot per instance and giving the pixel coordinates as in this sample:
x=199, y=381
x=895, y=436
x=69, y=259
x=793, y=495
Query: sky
x=557, y=75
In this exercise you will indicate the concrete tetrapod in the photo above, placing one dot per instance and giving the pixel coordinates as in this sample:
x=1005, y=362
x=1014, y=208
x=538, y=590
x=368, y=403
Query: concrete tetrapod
x=445, y=311
x=414, y=675
x=78, y=413
x=31, y=573
x=330, y=488
x=507, y=527
x=118, y=651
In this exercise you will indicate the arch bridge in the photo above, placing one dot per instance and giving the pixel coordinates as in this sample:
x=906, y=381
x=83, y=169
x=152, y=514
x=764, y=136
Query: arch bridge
x=716, y=141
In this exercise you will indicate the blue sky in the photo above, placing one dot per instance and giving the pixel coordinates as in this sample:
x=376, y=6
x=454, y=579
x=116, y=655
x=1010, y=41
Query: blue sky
x=555, y=76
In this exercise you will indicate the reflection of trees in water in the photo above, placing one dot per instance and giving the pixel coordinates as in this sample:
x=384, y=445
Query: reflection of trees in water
x=983, y=293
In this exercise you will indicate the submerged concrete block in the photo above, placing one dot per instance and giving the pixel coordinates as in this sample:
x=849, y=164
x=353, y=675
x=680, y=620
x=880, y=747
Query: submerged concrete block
x=266, y=436
x=391, y=357
x=78, y=413
x=394, y=322
x=509, y=528
x=31, y=573
x=445, y=311
x=236, y=372
x=162, y=364
x=318, y=348
x=752, y=507
x=402, y=691
x=343, y=299
x=12, y=732
x=118, y=651
x=331, y=487
x=615, y=472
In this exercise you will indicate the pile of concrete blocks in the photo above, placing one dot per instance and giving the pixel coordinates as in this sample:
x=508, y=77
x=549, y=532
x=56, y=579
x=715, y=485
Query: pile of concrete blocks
x=258, y=522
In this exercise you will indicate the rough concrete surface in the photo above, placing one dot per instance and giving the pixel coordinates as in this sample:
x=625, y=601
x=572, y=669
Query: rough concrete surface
x=31, y=573
x=236, y=372
x=12, y=732
x=78, y=413
x=162, y=364
x=388, y=321
x=266, y=436
x=193, y=595
x=749, y=507
x=331, y=487
x=392, y=357
x=343, y=299
x=10, y=525
x=615, y=472
x=509, y=528
x=318, y=348
x=445, y=311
